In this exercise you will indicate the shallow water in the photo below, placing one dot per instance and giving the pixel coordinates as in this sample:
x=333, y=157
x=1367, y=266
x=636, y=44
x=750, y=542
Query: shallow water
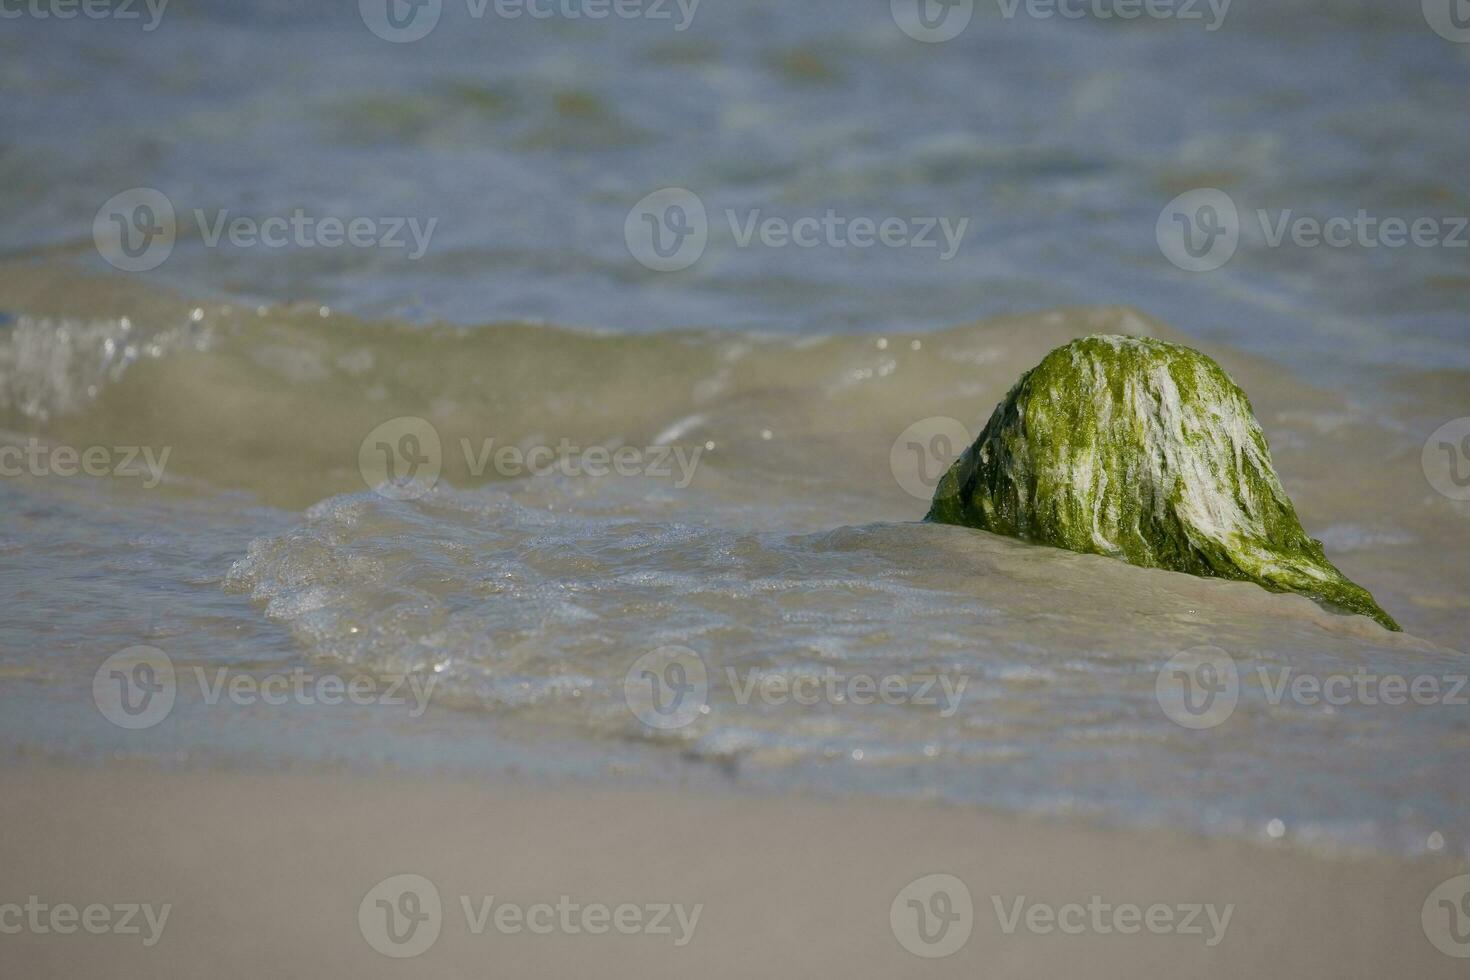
x=787, y=554
x=768, y=521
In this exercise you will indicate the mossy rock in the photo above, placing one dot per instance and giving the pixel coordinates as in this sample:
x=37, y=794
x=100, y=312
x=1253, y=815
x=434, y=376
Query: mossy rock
x=1146, y=451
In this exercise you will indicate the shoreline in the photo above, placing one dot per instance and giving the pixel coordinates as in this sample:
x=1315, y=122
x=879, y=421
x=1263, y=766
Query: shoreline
x=265, y=873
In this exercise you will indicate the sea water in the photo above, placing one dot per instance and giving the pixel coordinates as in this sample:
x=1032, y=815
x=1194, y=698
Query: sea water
x=709, y=480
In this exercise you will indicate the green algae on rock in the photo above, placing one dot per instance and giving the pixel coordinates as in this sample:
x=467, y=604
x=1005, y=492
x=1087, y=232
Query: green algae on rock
x=1146, y=451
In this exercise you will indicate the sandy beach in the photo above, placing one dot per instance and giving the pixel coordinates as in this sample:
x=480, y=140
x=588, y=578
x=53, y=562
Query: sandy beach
x=264, y=875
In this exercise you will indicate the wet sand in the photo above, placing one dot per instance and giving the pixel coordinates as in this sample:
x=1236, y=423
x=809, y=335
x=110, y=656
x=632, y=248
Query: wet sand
x=265, y=873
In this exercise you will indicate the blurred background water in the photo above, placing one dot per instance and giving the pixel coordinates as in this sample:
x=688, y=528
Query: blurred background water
x=530, y=139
